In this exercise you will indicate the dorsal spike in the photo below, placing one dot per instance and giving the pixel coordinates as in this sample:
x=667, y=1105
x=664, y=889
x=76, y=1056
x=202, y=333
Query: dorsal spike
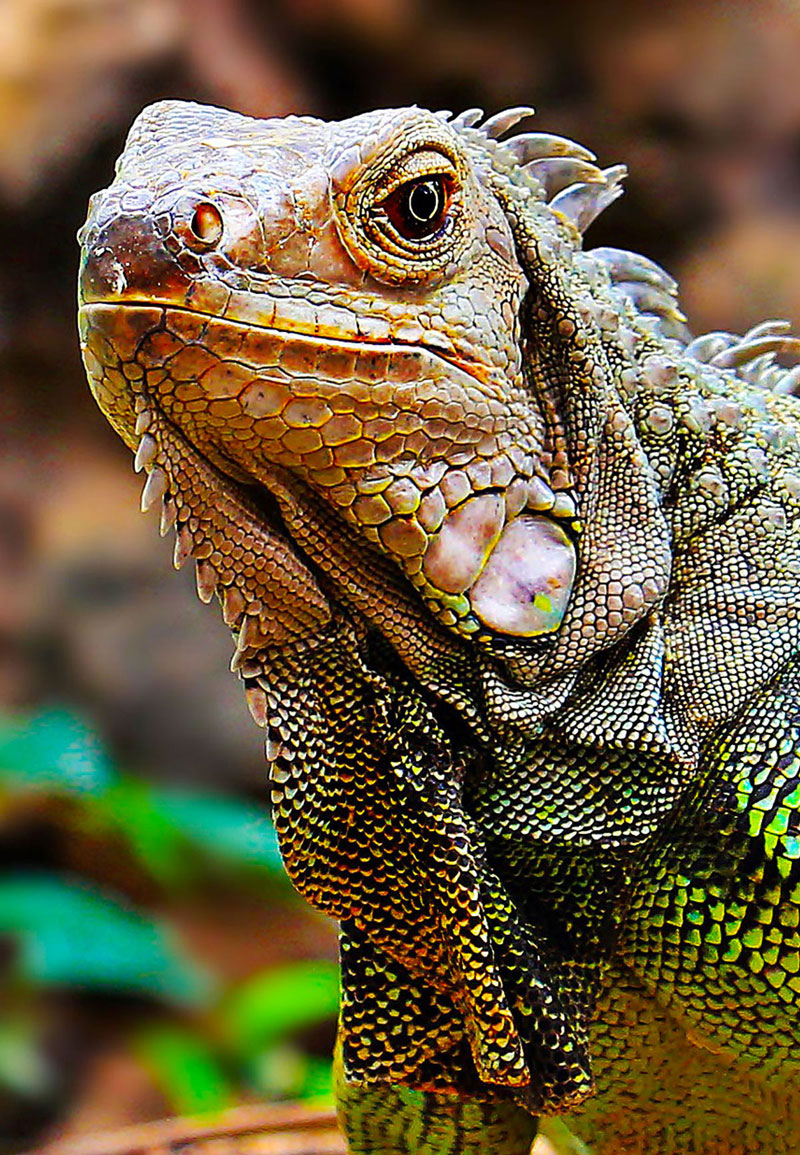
x=767, y=328
x=789, y=383
x=623, y=265
x=707, y=345
x=745, y=350
x=757, y=370
x=652, y=299
x=615, y=173
x=770, y=378
x=555, y=173
x=530, y=146
x=674, y=329
x=502, y=121
x=468, y=118
x=583, y=203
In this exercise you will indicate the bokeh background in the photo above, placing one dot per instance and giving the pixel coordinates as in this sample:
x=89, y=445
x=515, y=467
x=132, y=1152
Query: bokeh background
x=152, y=957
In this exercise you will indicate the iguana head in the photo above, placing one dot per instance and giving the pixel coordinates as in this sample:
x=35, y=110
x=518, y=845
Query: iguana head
x=342, y=303
x=381, y=391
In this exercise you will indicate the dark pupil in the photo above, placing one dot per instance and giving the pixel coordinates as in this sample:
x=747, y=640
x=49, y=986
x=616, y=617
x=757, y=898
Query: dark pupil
x=424, y=202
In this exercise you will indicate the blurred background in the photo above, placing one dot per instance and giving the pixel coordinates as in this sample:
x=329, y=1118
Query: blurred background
x=153, y=959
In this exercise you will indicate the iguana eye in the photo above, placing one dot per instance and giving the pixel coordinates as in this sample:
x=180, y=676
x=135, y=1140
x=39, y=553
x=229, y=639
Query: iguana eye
x=418, y=209
x=403, y=215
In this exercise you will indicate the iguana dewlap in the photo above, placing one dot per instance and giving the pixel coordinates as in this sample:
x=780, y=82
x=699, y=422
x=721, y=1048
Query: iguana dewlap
x=513, y=568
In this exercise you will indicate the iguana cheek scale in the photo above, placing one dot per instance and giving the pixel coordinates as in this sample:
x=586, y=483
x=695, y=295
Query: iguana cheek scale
x=511, y=565
x=524, y=588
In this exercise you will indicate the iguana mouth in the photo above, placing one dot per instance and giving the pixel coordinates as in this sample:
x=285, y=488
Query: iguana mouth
x=332, y=340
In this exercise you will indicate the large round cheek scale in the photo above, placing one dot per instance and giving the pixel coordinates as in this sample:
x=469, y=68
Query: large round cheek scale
x=525, y=585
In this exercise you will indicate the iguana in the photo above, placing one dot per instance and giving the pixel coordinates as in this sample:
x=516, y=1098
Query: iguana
x=513, y=569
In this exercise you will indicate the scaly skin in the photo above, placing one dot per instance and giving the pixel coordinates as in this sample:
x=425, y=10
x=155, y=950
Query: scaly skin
x=513, y=569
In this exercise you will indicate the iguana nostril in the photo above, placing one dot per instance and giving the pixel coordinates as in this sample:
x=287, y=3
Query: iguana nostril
x=124, y=257
x=206, y=224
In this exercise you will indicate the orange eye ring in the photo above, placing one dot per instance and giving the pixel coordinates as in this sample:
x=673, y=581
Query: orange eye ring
x=206, y=224
x=418, y=209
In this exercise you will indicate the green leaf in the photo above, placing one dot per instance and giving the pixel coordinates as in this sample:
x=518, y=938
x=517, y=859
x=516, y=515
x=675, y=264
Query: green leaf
x=319, y=1082
x=222, y=826
x=279, y=1001
x=278, y=1072
x=53, y=750
x=70, y=935
x=132, y=807
x=283, y=1071
x=185, y=1069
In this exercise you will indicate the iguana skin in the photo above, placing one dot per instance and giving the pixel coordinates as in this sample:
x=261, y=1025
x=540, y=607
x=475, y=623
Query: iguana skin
x=513, y=569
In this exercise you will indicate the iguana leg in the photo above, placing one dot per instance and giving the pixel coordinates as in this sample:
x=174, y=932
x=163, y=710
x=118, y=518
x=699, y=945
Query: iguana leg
x=398, y=1121
x=696, y=1042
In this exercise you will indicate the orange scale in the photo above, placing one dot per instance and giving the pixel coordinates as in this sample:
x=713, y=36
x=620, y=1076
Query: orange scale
x=270, y=428
x=337, y=364
x=226, y=379
x=372, y=367
x=299, y=358
x=407, y=365
x=379, y=429
x=264, y=398
x=394, y=447
x=228, y=340
x=342, y=428
x=302, y=441
x=224, y=408
x=307, y=412
x=191, y=362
